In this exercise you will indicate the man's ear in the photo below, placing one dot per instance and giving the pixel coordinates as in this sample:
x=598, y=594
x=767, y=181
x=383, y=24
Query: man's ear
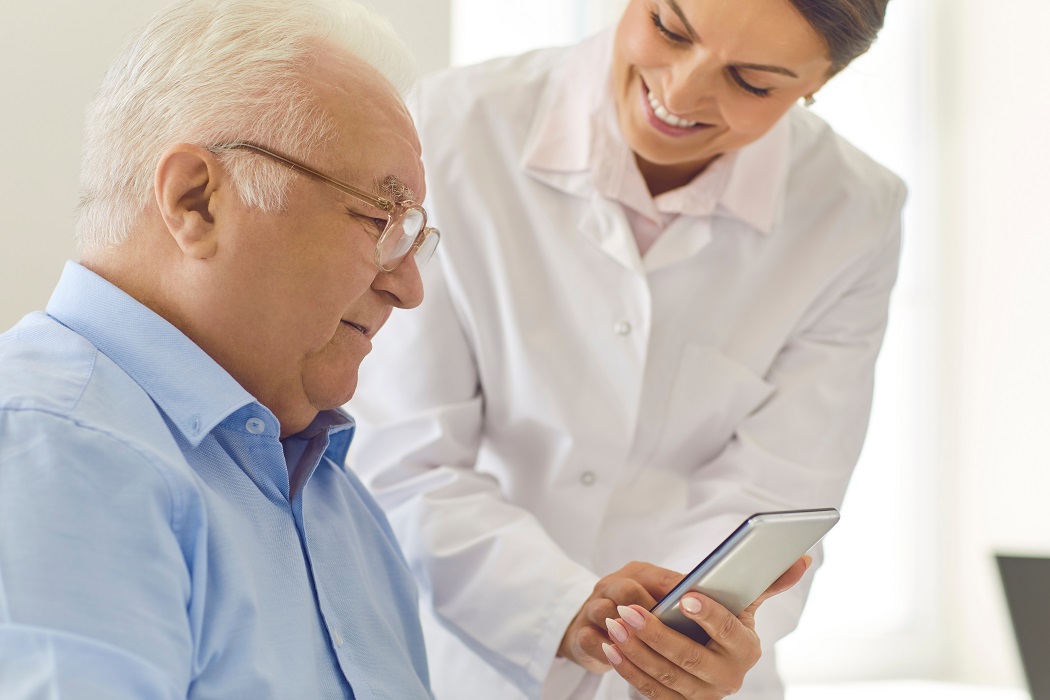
x=185, y=185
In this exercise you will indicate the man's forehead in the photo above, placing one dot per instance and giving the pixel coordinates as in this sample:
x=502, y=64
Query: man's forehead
x=374, y=136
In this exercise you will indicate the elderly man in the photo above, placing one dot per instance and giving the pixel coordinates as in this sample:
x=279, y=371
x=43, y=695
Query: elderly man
x=175, y=517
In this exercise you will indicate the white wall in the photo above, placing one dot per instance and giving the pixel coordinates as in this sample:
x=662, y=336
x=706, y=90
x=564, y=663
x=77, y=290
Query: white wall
x=426, y=25
x=54, y=54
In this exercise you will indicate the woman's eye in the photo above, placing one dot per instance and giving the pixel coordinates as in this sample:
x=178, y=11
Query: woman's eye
x=757, y=91
x=668, y=34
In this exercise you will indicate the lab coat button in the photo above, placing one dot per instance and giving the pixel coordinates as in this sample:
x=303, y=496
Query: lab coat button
x=588, y=478
x=622, y=328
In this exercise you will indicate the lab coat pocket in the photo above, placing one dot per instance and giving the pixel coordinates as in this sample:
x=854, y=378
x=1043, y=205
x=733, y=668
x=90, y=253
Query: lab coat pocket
x=713, y=393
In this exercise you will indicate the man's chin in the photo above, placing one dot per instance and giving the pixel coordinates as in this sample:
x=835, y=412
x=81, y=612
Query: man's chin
x=334, y=394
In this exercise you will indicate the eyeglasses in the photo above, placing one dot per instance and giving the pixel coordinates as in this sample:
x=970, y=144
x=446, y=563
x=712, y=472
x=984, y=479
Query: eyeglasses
x=406, y=229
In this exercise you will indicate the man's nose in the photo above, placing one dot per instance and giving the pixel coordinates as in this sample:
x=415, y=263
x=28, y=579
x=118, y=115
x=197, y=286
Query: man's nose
x=404, y=284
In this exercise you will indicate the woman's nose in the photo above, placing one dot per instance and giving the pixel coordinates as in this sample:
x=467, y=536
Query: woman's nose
x=690, y=83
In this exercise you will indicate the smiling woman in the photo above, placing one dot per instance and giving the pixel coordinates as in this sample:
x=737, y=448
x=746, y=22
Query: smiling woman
x=660, y=314
x=693, y=85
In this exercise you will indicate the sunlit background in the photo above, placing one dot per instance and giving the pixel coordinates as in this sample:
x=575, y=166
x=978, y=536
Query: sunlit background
x=953, y=98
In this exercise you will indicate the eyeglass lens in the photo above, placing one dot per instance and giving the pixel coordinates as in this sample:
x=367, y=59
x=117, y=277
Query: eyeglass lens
x=399, y=239
x=427, y=247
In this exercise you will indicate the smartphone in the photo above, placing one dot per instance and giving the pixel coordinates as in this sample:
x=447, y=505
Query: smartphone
x=747, y=563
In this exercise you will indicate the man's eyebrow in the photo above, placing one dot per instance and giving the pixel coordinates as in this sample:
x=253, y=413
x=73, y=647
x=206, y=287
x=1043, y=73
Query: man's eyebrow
x=394, y=188
x=751, y=66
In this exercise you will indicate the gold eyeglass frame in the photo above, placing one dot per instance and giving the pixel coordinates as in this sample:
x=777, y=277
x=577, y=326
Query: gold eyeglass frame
x=395, y=211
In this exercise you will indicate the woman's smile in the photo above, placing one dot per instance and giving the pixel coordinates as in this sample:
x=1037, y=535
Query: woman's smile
x=663, y=120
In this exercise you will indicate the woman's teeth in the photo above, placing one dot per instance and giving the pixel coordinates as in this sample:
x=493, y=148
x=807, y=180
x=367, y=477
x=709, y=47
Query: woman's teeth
x=664, y=115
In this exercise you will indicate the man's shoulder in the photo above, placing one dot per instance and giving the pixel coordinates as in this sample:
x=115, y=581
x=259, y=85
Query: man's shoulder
x=44, y=366
x=53, y=378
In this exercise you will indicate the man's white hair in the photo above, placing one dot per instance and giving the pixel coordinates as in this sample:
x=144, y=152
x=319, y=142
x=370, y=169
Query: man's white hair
x=211, y=72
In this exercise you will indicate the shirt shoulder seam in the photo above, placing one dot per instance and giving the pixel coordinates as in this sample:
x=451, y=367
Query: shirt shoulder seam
x=87, y=380
x=175, y=504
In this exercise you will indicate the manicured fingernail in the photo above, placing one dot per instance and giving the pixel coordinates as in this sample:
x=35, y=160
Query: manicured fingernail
x=690, y=605
x=616, y=630
x=611, y=654
x=809, y=561
x=631, y=616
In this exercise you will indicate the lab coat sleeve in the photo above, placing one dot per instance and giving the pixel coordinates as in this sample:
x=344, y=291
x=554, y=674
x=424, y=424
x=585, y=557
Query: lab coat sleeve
x=478, y=558
x=798, y=449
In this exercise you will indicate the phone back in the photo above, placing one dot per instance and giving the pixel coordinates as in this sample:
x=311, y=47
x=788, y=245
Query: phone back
x=746, y=563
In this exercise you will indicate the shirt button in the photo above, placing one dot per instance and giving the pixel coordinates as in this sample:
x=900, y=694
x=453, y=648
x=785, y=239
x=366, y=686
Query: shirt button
x=337, y=638
x=622, y=328
x=588, y=478
x=255, y=426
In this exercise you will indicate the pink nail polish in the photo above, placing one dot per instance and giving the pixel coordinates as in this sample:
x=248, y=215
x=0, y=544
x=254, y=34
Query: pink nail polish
x=611, y=654
x=690, y=605
x=616, y=630
x=631, y=616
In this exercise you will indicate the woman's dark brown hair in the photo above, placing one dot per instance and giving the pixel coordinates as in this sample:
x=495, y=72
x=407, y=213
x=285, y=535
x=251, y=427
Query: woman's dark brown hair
x=848, y=27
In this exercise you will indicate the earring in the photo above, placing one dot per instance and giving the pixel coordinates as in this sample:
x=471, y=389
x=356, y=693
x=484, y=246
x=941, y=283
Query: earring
x=809, y=101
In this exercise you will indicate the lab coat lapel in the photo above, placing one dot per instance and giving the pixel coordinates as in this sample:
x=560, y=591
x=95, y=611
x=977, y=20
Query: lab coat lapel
x=602, y=221
x=684, y=238
x=605, y=224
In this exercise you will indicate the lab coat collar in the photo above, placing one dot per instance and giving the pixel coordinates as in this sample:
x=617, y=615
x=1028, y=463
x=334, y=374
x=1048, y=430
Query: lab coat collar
x=567, y=131
x=754, y=192
x=563, y=132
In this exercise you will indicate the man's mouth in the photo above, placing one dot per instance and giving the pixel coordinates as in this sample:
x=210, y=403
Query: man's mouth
x=357, y=327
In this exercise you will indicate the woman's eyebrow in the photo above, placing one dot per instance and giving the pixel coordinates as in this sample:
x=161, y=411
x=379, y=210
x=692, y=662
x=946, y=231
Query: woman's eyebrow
x=768, y=69
x=676, y=8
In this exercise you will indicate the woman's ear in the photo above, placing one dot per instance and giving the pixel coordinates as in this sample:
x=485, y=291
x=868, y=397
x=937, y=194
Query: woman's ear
x=186, y=184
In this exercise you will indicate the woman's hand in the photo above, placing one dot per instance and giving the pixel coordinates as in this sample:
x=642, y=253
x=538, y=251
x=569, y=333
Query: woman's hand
x=661, y=663
x=638, y=583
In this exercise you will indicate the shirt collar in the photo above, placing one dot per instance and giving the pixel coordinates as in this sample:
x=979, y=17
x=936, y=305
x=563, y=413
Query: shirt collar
x=339, y=428
x=575, y=131
x=185, y=382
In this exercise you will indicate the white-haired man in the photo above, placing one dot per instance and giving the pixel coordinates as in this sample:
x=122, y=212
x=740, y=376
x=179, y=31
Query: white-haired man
x=175, y=517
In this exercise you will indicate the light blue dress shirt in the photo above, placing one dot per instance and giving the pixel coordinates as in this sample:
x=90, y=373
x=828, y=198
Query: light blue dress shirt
x=152, y=542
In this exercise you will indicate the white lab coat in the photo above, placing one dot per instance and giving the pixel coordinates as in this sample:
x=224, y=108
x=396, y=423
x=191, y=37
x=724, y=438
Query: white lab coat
x=559, y=406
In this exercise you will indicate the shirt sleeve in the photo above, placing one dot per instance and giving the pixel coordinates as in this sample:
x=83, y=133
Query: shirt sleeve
x=420, y=417
x=94, y=584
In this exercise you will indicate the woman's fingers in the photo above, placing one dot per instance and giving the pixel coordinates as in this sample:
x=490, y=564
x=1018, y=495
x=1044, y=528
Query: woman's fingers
x=638, y=583
x=661, y=663
x=657, y=654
